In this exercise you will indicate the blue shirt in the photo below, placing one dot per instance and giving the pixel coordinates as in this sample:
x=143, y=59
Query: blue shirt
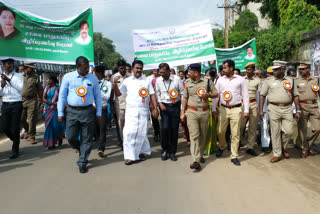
x=70, y=83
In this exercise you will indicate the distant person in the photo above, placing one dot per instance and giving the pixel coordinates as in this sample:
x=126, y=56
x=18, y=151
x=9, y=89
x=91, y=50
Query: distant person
x=54, y=131
x=11, y=88
x=182, y=75
x=237, y=71
x=21, y=69
x=84, y=38
x=128, y=68
x=172, y=71
x=7, y=21
x=292, y=73
x=250, y=55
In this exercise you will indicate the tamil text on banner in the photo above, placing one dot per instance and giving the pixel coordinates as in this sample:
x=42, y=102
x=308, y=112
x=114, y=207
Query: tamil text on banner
x=175, y=45
x=25, y=36
x=240, y=55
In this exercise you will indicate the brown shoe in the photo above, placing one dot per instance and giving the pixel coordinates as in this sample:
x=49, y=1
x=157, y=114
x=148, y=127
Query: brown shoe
x=286, y=154
x=275, y=159
x=33, y=141
x=196, y=166
x=304, y=154
x=312, y=152
x=26, y=136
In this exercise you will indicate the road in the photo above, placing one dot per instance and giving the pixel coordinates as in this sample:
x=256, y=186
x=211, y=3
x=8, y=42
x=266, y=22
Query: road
x=43, y=181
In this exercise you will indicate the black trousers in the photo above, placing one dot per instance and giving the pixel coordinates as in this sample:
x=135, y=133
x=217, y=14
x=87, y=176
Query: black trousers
x=170, y=127
x=81, y=121
x=156, y=126
x=10, y=120
x=101, y=130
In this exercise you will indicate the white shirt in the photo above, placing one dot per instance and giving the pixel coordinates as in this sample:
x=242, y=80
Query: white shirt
x=85, y=41
x=250, y=57
x=163, y=87
x=134, y=102
x=105, y=88
x=13, y=89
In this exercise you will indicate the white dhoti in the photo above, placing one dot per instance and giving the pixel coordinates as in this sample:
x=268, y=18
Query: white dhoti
x=135, y=140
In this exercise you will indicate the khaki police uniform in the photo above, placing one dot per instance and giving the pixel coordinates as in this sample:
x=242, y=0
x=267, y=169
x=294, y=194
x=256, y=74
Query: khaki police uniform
x=254, y=86
x=309, y=111
x=31, y=86
x=198, y=115
x=280, y=111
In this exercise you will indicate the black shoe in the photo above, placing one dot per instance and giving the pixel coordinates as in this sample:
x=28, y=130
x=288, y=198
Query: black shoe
x=196, y=166
x=266, y=150
x=235, y=161
x=202, y=160
x=251, y=152
x=100, y=153
x=173, y=157
x=164, y=156
x=14, y=156
x=83, y=169
x=219, y=152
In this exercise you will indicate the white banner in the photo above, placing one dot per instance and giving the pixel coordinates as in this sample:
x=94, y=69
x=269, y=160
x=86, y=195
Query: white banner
x=175, y=45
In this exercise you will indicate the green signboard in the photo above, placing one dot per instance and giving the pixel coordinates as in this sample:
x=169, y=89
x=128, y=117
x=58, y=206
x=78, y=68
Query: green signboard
x=28, y=37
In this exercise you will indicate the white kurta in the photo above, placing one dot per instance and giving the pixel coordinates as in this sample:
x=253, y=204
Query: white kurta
x=135, y=140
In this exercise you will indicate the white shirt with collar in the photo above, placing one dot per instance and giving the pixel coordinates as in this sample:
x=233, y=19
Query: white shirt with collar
x=105, y=88
x=134, y=102
x=11, y=92
x=163, y=87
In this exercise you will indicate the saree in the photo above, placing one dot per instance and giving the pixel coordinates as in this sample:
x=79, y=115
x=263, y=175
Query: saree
x=54, y=130
x=211, y=139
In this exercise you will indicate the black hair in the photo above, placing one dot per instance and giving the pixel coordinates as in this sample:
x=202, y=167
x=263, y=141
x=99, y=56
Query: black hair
x=249, y=47
x=213, y=72
x=82, y=23
x=100, y=69
x=164, y=65
x=54, y=79
x=81, y=60
x=7, y=60
x=121, y=62
x=263, y=73
x=128, y=65
x=291, y=70
x=229, y=62
x=137, y=62
x=220, y=68
x=237, y=69
x=3, y=8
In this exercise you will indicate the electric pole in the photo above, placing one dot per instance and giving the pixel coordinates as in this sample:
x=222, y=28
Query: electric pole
x=226, y=25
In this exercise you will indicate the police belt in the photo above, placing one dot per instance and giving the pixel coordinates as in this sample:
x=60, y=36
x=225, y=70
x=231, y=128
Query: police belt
x=172, y=104
x=234, y=106
x=80, y=107
x=308, y=101
x=280, y=104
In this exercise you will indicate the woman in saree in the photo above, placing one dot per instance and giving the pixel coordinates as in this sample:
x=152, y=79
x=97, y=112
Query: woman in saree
x=54, y=131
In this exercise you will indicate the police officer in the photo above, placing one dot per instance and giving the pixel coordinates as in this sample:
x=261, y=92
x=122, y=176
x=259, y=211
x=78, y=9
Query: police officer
x=80, y=89
x=169, y=90
x=281, y=92
x=31, y=89
x=308, y=90
x=195, y=107
x=254, y=86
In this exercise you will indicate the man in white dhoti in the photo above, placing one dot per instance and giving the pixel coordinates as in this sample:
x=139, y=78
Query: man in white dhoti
x=139, y=91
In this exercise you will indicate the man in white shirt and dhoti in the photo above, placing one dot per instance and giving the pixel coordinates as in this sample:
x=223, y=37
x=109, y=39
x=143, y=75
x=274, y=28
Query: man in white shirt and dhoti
x=139, y=92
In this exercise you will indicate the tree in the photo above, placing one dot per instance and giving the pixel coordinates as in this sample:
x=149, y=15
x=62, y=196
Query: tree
x=104, y=51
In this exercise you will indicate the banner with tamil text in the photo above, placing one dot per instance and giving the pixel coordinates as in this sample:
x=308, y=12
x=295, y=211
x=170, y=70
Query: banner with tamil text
x=28, y=37
x=241, y=55
x=175, y=45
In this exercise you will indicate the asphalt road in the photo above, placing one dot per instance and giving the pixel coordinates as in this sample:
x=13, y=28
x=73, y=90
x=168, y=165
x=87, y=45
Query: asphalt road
x=45, y=182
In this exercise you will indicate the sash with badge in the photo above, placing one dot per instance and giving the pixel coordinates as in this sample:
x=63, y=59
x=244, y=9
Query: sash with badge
x=315, y=88
x=82, y=91
x=200, y=91
x=288, y=87
x=227, y=96
x=143, y=92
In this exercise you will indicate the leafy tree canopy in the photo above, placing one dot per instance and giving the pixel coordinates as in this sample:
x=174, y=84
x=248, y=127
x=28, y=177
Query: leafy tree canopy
x=104, y=51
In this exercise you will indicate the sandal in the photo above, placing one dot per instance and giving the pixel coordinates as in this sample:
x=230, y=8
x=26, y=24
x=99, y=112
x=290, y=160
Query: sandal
x=128, y=162
x=142, y=157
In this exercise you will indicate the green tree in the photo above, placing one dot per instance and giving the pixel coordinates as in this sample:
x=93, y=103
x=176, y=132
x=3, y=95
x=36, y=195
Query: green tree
x=104, y=51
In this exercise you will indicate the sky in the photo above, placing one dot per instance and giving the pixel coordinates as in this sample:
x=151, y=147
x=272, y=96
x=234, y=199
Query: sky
x=117, y=18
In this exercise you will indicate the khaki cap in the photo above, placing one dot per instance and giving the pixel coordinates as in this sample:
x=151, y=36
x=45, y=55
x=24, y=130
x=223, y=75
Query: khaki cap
x=304, y=65
x=30, y=64
x=250, y=64
x=270, y=70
